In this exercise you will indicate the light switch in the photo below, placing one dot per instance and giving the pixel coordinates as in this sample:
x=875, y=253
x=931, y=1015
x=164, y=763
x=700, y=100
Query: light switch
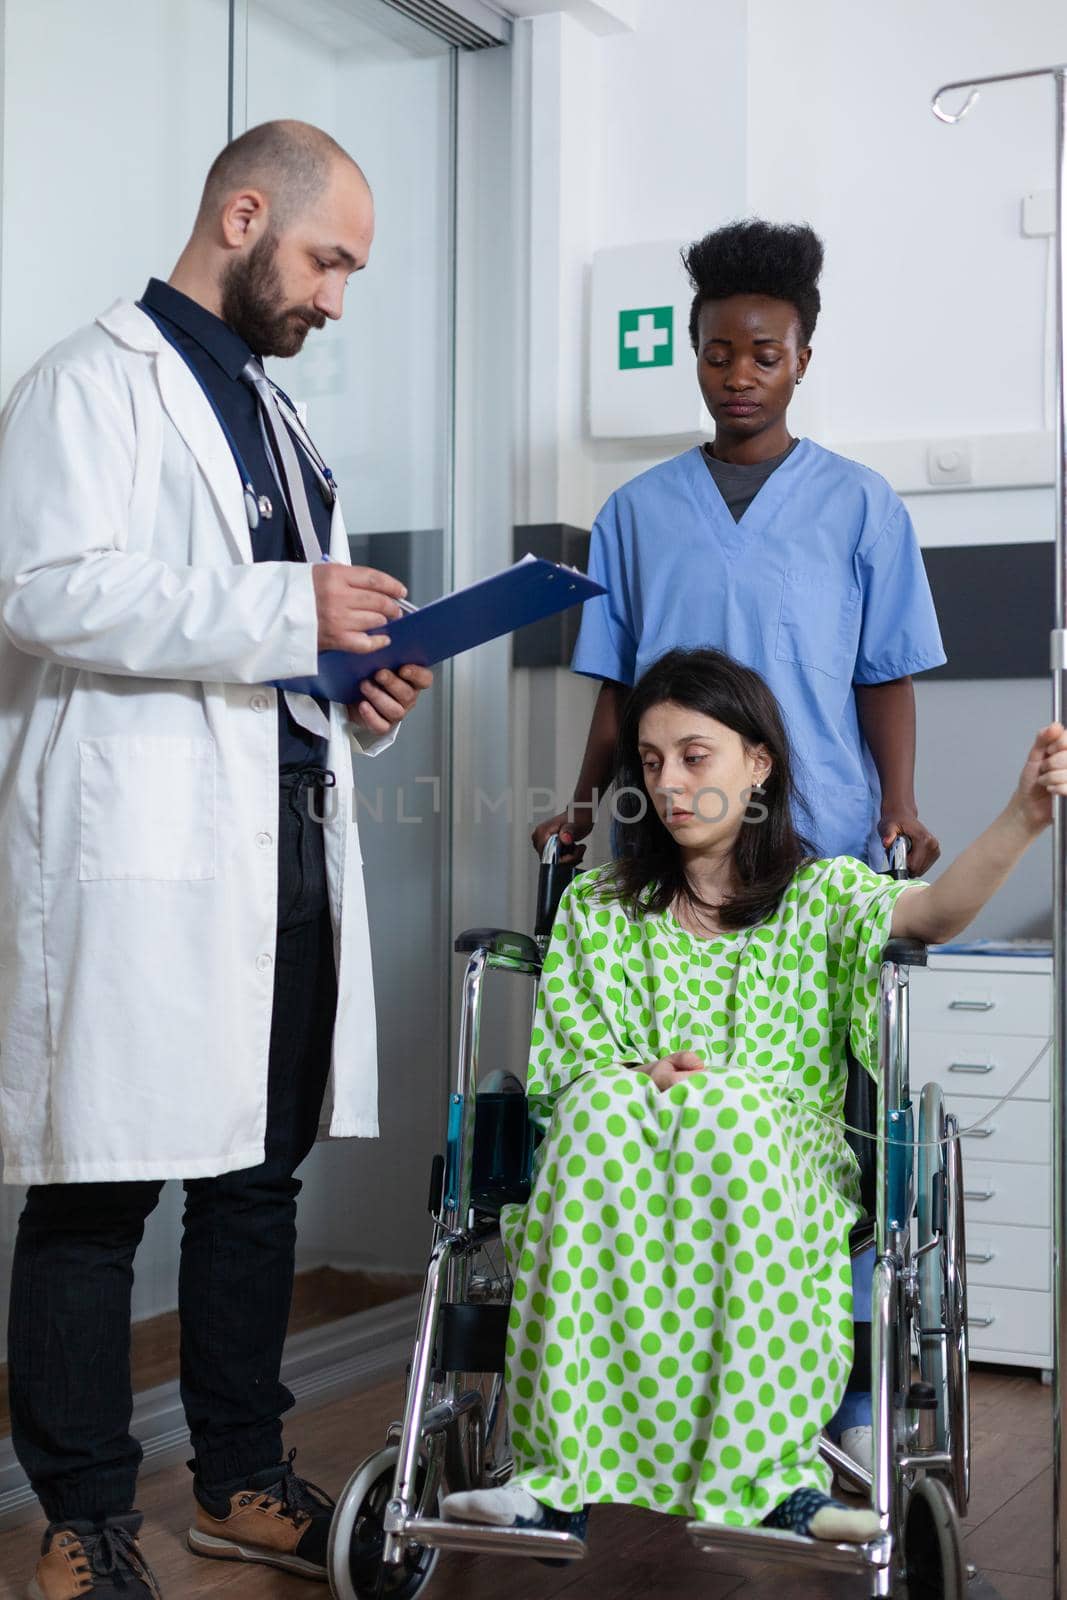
x=949, y=461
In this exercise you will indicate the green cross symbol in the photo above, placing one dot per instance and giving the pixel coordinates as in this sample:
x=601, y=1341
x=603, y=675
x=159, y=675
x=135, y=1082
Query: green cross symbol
x=646, y=337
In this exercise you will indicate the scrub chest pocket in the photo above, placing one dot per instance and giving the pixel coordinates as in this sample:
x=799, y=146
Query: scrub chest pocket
x=818, y=624
x=147, y=808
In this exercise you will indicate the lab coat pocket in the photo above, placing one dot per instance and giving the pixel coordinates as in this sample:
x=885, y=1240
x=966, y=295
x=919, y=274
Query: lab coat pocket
x=818, y=625
x=147, y=808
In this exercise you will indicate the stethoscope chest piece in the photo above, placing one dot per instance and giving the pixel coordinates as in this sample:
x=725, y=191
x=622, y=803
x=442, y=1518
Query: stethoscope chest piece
x=255, y=508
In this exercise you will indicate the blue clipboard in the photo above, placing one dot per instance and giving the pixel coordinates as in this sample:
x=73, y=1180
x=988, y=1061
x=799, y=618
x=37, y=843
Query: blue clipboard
x=526, y=592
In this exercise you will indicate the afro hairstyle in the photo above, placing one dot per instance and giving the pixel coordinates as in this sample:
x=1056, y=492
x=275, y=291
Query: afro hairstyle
x=781, y=260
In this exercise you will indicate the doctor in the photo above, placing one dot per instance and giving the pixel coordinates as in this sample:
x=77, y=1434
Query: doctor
x=185, y=976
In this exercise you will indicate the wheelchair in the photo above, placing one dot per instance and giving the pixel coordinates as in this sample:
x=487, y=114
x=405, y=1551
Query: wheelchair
x=387, y=1530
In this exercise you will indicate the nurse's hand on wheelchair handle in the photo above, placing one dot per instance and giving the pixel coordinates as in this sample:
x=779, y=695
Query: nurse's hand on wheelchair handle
x=569, y=831
x=673, y=1069
x=923, y=848
x=389, y=696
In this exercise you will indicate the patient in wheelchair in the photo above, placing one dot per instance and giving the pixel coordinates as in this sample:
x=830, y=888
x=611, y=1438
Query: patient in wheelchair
x=681, y=1323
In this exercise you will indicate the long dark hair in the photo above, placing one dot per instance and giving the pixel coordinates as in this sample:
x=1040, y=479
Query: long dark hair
x=648, y=874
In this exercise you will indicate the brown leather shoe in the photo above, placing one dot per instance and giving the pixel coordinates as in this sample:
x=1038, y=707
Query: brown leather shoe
x=94, y=1559
x=275, y=1518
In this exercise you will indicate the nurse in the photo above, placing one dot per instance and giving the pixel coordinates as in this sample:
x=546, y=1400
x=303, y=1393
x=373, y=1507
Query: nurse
x=787, y=557
x=795, y=561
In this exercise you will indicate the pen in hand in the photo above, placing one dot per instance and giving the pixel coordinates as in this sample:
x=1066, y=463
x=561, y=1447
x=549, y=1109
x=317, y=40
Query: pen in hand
x=405, y=605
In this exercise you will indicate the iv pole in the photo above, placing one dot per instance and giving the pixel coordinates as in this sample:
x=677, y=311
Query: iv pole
x=1058, y=664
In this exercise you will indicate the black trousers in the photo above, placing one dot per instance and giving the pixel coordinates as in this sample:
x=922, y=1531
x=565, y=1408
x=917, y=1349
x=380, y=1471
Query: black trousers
x=69, y=1327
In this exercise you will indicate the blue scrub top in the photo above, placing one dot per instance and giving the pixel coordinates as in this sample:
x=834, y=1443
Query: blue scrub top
x=820, y=586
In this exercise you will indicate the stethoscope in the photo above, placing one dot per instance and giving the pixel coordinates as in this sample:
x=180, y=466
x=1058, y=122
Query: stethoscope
x=256, y=506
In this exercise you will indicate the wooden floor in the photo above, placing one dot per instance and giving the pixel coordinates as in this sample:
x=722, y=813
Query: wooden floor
x=634, y=1555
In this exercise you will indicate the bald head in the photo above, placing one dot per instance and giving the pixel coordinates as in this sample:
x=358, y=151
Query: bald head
x=289, y=163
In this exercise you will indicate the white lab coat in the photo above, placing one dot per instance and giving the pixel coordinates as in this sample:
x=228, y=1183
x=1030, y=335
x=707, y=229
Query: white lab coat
x=139, y=781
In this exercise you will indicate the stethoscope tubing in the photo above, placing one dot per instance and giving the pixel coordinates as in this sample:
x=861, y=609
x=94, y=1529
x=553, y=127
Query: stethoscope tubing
x=251, y=499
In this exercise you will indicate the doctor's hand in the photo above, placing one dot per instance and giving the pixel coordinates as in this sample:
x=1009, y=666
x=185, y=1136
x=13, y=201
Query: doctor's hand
x=674, y=1069
x=352, y=603
x=389, y=696
x=924, y=848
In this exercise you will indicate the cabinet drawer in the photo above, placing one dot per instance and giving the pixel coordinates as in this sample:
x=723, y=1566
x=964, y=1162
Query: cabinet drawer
x=966, y=1063
x=1000, y=1191
x=1020, y=1130
x=1003, y=1257
x=1009, y=1319
x=981, y=1002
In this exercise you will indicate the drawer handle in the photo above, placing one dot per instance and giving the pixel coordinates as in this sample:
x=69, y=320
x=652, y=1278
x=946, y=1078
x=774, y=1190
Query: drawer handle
x=971, y=1005
x=980, y=1257
x=978, y=1133
x=978, y=1194
x=971, y=1066
x=980, y=1322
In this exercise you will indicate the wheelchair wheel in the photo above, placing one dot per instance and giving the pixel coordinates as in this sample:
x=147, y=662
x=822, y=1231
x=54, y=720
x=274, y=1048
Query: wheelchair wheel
x=942, y=1319
x=354, y=1555
x=932, y=1556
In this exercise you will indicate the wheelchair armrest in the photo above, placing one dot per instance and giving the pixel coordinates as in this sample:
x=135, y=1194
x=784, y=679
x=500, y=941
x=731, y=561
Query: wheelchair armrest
x=499, y=942
x=905, y=952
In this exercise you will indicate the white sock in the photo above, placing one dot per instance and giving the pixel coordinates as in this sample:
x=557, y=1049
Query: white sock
x=499, y=1508
x=845, y=1524
x=859, y=1444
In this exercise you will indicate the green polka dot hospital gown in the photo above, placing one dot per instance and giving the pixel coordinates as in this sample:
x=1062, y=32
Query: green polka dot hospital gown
x=681, y=1327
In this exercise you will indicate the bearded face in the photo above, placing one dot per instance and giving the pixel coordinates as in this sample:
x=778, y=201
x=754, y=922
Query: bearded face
x=255, y=303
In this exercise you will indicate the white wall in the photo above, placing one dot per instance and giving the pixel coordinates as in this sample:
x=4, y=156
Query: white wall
x=935, y=304
x=111, y=114
x=638, y=135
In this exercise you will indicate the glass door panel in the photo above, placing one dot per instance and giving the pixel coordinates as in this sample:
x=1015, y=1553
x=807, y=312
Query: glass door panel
x=377, y=387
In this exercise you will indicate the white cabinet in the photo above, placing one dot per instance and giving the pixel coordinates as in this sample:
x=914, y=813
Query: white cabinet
x=979, y=1024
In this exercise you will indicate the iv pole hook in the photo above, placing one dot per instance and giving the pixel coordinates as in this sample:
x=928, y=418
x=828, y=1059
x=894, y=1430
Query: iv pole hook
x=972, y=85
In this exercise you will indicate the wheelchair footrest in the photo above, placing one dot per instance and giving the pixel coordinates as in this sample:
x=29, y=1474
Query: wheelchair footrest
x=792, y=1549
x=444, y=1535
x=471, y=1338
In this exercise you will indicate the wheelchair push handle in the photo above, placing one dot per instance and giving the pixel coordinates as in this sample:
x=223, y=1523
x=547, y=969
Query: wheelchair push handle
x=898, y=857
x=552, y=878
x=902, y=952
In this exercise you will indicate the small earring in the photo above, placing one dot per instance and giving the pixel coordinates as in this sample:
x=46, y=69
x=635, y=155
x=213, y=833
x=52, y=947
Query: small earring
x=757, y=788
x=800, y=380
